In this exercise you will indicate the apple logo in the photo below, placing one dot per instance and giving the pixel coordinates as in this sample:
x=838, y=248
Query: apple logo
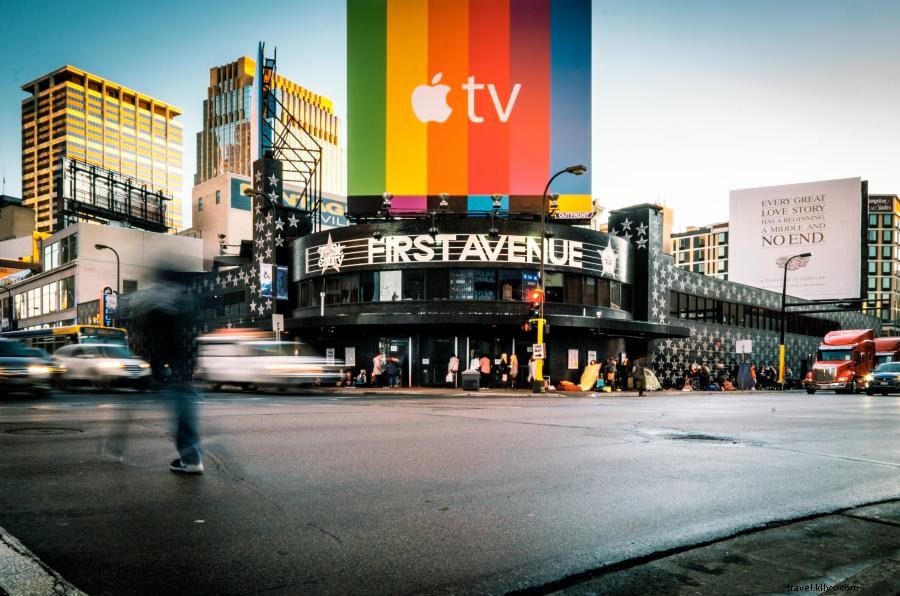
x=429, y=102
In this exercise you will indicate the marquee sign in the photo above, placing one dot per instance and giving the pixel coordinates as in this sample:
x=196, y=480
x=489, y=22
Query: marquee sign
x=606, y=258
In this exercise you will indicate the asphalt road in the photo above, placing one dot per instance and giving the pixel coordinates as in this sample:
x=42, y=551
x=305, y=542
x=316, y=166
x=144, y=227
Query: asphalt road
x=358, y=493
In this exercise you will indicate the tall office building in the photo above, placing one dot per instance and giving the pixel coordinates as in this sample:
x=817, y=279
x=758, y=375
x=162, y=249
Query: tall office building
x=74, y=114
x=223, y=146
x=882, y=258
x=702, y=250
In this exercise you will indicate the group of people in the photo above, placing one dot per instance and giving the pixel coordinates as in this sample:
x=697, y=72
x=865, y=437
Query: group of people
x=387, y=371
x=700, y=377
x=500, y=373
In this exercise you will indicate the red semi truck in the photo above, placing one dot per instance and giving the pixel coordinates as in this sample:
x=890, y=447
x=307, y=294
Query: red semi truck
x=843, y=360
x=887, y=349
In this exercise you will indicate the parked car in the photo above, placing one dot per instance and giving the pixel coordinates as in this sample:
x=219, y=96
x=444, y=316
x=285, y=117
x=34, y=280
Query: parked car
x=104, y=366
x=885, y=379
x=225, y=359
x=20, y=370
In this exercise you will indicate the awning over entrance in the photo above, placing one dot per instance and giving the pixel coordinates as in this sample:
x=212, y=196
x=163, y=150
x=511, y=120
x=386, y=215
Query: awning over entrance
x=429, y=314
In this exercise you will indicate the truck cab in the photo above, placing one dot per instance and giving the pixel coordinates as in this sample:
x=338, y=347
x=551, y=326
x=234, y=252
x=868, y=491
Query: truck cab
x=887, y=349
x=843, y=360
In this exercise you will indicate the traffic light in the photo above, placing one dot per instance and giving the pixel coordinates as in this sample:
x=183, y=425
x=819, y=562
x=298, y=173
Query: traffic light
x=536, y=298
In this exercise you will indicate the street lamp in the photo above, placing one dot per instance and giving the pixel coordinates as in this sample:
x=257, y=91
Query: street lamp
x=787, y=265
x=578, y=170
x=118, y=270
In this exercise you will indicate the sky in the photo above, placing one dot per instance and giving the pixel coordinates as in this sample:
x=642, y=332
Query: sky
x=690, y=99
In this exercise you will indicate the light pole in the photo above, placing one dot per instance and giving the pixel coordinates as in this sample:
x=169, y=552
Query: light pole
x=578, y=170
x=118, y=268
x=104, y=301
x=787, y=265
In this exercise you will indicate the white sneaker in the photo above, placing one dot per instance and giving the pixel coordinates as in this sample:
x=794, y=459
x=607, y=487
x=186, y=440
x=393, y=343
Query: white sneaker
x=178, y=466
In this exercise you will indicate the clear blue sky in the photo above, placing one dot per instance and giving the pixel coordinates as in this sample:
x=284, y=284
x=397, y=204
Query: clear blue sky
x=690, y=98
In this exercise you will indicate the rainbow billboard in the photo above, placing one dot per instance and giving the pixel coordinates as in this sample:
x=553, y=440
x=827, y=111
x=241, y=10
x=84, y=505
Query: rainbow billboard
x=469, y=98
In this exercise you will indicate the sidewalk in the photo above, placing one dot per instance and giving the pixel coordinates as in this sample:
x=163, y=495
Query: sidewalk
x=486, y=392
x=850, y=551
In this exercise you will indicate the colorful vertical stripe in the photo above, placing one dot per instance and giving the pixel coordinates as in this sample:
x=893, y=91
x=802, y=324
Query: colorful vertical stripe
x=540, y=46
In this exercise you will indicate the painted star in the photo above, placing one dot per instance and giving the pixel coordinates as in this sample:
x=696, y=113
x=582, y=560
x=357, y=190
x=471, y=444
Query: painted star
x=642, y=229
x=279, y=241
x=273, y=180
x=627, y=236
x=293, y=220
x=259, y=243
x=279, y=224
x=253, y=287
x=269, y=236
x=642, y=243
x=260, y=225
x=257, y=176
x=258, y=207
x=273, y=195
x=626, y=225
x=269, y=218
x=269, y=304
x=269, y=253
x=252, y=305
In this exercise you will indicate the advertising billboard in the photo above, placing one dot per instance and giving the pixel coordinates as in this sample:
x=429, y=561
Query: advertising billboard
x=769, y=225
x=470, y=98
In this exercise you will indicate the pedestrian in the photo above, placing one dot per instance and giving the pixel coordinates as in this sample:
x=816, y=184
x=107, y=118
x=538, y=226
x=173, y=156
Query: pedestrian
x=513, y=371
x=361, y=380
x=452, y=370
x=377, y=369
x=163, y=307
x=532, y=370
x=484, y=366
x=611, y=373
x=502, y=370
x=638, y=377
x=393, y=371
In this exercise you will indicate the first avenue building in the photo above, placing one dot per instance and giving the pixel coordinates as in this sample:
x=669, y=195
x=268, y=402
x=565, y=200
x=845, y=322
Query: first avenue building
x=424, y=287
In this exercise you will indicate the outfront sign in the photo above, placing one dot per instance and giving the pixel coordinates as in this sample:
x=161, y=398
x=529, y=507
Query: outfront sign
x=608, y=257
x=769, y=225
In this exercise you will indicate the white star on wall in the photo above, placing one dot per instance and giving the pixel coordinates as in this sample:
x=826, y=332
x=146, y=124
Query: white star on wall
x=293, y=220
x=626, y=225
x=273, y=180
x=279, y=224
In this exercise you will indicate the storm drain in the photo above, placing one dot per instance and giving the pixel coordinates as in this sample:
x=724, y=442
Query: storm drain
x=43, y=431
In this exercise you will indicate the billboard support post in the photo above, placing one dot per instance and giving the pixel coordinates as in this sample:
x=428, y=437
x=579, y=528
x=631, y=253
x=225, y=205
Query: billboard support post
x=787, y=265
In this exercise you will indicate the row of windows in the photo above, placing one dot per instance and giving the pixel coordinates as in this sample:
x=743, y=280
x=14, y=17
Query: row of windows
x=709, y=310
x=887, y=236
x=464, y=284
x=886, y=220
x=61, y=252
x=46, y=299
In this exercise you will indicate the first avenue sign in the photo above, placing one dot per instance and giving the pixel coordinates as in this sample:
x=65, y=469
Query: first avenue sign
x=606, y=259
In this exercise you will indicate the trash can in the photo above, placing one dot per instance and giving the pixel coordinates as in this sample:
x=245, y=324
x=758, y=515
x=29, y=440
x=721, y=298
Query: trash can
x=470, y=380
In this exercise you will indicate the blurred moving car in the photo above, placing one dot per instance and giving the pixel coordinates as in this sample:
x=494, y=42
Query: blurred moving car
x=20, y=370
x=104, y=366
x=57, y=369
x=885, y=379
x=248, y=362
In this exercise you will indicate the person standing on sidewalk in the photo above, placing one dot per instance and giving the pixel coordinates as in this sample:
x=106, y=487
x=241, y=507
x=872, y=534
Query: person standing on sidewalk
x=452, y=370
x=513, y=371
x=484, y=366
x=377, y=369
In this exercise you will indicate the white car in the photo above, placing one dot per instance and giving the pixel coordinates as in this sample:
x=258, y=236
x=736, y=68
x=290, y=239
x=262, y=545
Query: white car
x=228, y=360
x=104, y=365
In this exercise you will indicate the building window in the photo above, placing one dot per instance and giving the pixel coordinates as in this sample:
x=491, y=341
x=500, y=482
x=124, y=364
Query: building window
x=218, y=197
x=723, y=237
x=885, y=283
x=873, y=281
x=886, y=220
x=886, y=252
x=887, y=236
x=129, y=285
x=873, y=220
x=873, y=236
x=885, y=267
x=199, y=203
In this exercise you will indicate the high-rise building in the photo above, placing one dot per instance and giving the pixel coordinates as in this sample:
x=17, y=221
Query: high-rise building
x=702, y=250
x=224, y=145
x=74, y=114
x=882, y=272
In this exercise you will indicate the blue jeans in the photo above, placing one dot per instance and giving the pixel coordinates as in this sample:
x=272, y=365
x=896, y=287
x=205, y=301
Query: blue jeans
x=187, y=429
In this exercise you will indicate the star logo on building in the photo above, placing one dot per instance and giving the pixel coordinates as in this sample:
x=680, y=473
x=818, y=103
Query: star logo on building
x=608, y=260
x=330, y=255
x=273, y=180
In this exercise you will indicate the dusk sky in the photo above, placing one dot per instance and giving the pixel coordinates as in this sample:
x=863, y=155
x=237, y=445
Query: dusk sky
x=690, y=99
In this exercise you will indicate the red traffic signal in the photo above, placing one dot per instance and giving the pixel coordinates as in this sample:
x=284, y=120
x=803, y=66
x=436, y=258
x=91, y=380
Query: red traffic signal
x=536, y=296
